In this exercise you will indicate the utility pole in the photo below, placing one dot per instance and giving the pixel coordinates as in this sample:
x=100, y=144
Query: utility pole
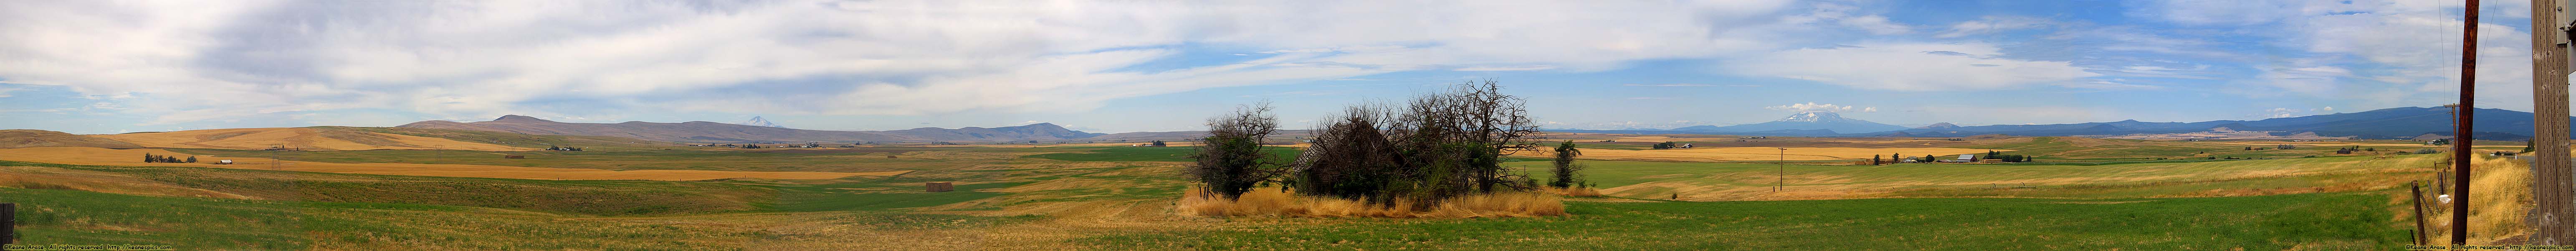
x=1784, y=171
x=8, y=223
x=2461, y=129
x=2554, y=188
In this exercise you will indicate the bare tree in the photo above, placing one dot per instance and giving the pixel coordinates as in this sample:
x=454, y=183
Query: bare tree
x=1230, y=159
x=1351, y=157
x=1464, y=133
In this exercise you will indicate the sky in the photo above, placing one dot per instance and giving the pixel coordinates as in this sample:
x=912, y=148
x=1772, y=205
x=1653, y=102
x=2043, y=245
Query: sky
x=100, y=67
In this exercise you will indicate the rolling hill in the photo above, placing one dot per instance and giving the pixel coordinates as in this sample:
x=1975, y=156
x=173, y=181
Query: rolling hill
x=702, y=131
x=20, y=138
x=305, y=138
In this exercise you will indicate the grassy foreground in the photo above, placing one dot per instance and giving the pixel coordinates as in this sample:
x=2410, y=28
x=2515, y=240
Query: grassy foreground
x=2336, y=221
x=1120, y=198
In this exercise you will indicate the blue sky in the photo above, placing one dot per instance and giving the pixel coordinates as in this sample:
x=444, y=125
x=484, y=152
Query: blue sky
x=109, y=66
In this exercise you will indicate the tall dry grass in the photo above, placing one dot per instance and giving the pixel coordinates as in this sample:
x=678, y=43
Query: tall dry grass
x=2498, y=196
x=1576, y=191
x=1282, y=203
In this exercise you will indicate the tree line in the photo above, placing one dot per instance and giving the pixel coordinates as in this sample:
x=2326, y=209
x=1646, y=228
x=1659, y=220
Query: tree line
x=152, y=158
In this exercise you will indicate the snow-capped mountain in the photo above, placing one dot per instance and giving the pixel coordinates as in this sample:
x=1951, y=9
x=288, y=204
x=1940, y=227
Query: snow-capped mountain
x=758, y=121
x=1801, y=124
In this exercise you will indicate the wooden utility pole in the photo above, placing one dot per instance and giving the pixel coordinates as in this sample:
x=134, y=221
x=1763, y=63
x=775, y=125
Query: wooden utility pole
x=2554, y=184
x=8, y=223
x=2460, y=127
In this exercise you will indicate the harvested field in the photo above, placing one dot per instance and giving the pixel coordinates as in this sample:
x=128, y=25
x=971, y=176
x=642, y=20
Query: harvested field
x=897, y=151
x=131, y=157
x=1766, y=153
x=1744, y=181
x=2310, y=143
x=303, y=138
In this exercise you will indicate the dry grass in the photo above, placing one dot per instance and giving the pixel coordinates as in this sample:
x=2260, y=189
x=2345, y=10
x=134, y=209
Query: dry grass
x=2498, y=197
x=132, y=157
x=1576, y=192
x=1276, y=202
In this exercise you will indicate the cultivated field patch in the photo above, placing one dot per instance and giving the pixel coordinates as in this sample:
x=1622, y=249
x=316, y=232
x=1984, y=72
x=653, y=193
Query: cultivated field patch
x=133, y=157
x=1766, y=153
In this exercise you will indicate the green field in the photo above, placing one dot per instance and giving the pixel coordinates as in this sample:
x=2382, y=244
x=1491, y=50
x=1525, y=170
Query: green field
x=1118, y=198
x=2338, y=221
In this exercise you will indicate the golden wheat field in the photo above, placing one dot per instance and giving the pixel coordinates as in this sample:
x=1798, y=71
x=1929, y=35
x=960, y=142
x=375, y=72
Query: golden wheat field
x=304, y=138
x=133, y=157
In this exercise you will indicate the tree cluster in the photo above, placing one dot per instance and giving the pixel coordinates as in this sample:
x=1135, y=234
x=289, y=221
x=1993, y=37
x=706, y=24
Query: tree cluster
x=1435, y=147
x=152, y=158
x=2005, y=157
x=1666, y=145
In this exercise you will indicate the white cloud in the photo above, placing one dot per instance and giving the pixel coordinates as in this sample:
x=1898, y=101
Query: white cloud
x=1992, y=24
x=1506, y=68
x=1910, y=67
x=1814, y=107
x=188, y=61
x=1688, y=85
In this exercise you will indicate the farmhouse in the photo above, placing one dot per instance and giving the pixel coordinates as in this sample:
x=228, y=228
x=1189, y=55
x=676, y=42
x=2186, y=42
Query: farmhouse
x=1966, y=158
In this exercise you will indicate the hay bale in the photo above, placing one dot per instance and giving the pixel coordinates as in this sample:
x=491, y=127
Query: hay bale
x=939, y=187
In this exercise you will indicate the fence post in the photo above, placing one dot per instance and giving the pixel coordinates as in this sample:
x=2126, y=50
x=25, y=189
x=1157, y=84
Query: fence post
x=2418, y=194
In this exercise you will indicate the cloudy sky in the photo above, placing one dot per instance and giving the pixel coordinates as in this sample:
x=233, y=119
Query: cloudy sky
x=1122, y=66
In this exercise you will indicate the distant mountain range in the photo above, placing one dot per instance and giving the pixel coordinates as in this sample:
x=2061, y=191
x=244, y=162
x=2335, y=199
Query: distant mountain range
x=702, y=131
x=2391, y=123
x=1801, y=124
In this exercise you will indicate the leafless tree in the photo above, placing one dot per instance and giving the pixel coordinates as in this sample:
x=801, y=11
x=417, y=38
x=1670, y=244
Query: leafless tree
x=1350, y=157
x=1230, y=159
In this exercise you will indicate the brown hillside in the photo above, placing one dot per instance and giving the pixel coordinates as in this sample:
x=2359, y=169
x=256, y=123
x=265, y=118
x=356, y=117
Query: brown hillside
x=702, y=131
x=311, y=139
x=42, y=138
